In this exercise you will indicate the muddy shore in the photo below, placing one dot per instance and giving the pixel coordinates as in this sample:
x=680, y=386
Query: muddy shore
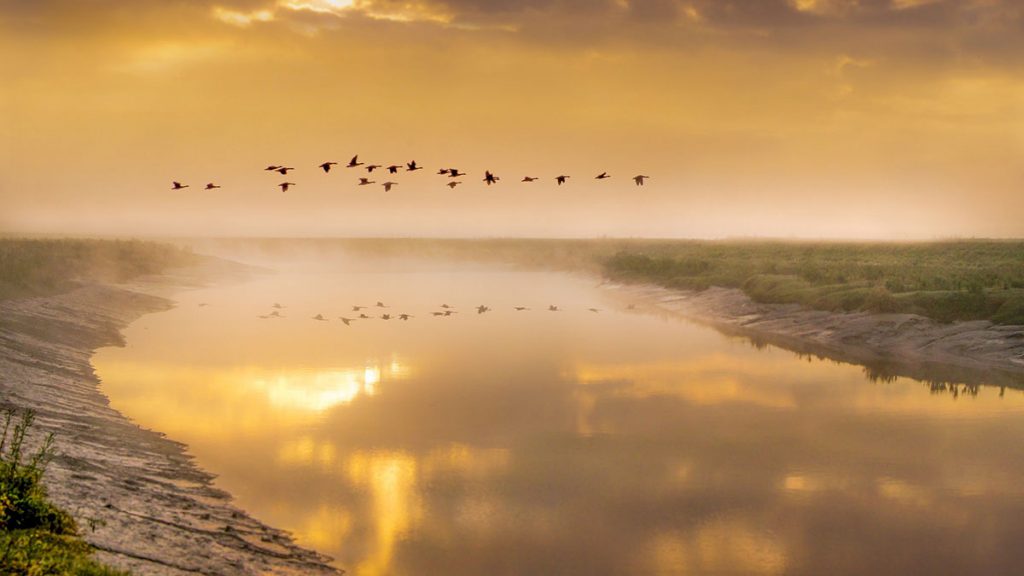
x=887, y=345
x=138, y=497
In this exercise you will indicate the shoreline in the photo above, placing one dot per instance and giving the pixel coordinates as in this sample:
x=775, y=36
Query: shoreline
x=972, y=353
x=138, y=497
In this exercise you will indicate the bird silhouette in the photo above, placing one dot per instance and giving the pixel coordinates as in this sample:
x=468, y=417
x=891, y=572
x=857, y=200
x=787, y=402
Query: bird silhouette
x=449, y=312
x=412, y=167
x=521, y=308
x=385, y=316
x=373, y=167
x=284, y=170
x=602, y=176
x=320, y=317
x=393, y=169
x=442, y=171
x=454, y=173
x=277, y=306
x=561, y=179
x=271, y=168
x=345, y=321
x=285, y=185
x=366, y=181
x=553, y=308
x=364, y=317
x=481, y=309
x=211, y=186
x=640, y=179
x=357, y=308
x=404, y=316
x=354, y=162
x=528, y=179
x=381, y=305
x=445, y=306
x=438, y=313
x=453, y=184
x=594, y=310
x=178, y=186
x=490, y=178
x=387, y=186
x=327, y=166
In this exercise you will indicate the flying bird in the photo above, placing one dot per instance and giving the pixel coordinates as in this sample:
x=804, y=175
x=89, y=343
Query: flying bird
x=454, y=173
x=364, y=317
x=357, y=308
x=521, y=308
x=178, y=186
x=412, y=167
x=320, y=317
x=602, y=176
x=345, y=321
x=528, y=179
x=373, y=167
x=445, y=306
x=366, y=181
x=354, y=162
x=387, y=186
x=404, y=316
x=594, y=310
x=490, y=178
x=393, y=169
x=561, y=179
x=640, y=179
x=284, y=170
x=210, y=186
x=277, y=306
x=453, y=184
x=285, y=185
x=443, y=171
x=438, y=313
x=271, y=168
x=327, y=166
x=481, y=309
x=385, y=317
x=381, y=305
x=553, y=308
x=449, y=312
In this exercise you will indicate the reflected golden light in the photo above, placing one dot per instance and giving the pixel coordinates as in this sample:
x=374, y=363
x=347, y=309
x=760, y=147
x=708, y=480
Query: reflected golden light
x=391, y=479
x=724, y=546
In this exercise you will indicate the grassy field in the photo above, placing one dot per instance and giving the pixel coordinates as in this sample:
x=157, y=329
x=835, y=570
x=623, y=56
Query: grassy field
x=946, y=281
x=39, y=267
x=36, y=537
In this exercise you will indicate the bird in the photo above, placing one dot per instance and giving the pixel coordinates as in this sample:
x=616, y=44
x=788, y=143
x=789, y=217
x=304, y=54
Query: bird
x=481, y=309
x=210, y=186
x=449, y=312
x=454, y=173
x=404, y=316
x=445, y=306
x=275, y=314
x=393, y=169
x=528, y=179
x=453, y=184
x=412, y=167
x=345, y=321
x=354, y=162
x=178, y=186
x=640, y=179
x=438, y=313
x=553, y=308
x=327, y=166
x=443, y=171
x=521, y=308
x=284, y=170
x=320, y=317
x=277, y=306
x=364, y=317
x=381, y=305
x=387, y=186
x=561, y=179
x=272, y=167
x=357, y=308
x=602, y=176
x=284, y=186
x=385, y=317
x=366, y=181
x=202, y=304
x=594, y=310
x=490, y=178
x=372, y=167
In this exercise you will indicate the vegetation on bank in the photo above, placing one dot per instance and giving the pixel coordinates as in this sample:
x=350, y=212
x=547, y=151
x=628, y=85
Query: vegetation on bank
x=40, y=267
x=36, y=537
x=946, y=281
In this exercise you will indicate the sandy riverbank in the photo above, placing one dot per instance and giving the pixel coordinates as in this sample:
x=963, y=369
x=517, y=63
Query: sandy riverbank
x=887, y=345
x=138, y=497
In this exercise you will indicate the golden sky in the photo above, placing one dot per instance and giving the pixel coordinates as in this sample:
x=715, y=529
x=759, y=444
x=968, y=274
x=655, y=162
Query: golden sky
x=806, y=118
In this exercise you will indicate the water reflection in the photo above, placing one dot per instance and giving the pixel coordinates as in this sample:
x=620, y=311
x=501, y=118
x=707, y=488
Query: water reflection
x=570, y=443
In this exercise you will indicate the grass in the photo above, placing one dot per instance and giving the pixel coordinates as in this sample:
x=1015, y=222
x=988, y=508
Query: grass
x=36, y=537
x=41, y=267
x=945, y=281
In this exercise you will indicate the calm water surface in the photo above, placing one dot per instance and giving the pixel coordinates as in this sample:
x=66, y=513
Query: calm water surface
x=569, y=442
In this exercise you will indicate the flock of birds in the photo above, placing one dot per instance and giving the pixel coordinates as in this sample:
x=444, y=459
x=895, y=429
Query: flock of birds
x=445, y=311
x=452, y=173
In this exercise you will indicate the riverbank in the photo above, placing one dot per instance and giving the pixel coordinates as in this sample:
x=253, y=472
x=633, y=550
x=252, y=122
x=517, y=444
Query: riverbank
x=887, y=345
x=139, y=497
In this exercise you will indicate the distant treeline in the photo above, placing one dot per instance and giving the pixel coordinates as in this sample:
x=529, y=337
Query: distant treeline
x=946, y=281
x=36, y=267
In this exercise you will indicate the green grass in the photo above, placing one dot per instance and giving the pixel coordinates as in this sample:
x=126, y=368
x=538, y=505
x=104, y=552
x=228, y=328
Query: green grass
x=40, y=267
x=36, y=537
x=946, y=281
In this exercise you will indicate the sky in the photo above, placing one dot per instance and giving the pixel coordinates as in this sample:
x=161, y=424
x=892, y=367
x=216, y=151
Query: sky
x=878, y=119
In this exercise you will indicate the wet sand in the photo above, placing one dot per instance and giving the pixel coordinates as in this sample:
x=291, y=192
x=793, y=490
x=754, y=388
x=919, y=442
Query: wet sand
x=137, y=496
x=887, y=345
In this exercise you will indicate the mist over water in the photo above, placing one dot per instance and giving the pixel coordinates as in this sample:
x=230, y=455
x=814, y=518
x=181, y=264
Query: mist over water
x=569, y=442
